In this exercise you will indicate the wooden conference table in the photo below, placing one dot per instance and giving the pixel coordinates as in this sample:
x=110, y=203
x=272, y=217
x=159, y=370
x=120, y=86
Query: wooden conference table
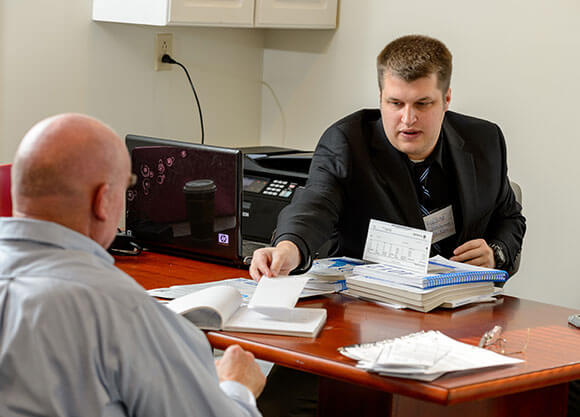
x=537, y=387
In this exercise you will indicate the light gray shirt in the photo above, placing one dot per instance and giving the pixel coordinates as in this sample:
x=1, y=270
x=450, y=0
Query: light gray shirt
x=78, y=337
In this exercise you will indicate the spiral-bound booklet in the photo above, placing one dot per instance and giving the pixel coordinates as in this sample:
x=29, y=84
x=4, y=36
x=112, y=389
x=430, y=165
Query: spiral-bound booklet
x=441, y=272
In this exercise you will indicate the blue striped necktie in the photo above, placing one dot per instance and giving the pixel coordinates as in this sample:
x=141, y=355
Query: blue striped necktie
x=425, y=198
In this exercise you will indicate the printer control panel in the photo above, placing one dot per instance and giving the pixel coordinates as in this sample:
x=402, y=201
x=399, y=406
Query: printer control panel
x=272, y=187
x=272, y=175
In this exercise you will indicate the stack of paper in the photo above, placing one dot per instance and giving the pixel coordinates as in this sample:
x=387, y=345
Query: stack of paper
x=446, y=283
x=402, y=274
x=423, y=356
x=334, y=267
x=325, y=277
x=424, y=300
x=245, y=286
x=317, y=286
x=328, y=274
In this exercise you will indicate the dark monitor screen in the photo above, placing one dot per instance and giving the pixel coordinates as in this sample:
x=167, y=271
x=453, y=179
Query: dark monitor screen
x=157, y=211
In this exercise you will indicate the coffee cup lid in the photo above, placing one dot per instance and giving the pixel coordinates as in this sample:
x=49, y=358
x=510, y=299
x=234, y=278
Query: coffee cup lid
x=199, y=186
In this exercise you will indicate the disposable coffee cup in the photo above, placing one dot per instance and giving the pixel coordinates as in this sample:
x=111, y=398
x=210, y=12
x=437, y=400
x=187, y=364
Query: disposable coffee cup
x=200, y=205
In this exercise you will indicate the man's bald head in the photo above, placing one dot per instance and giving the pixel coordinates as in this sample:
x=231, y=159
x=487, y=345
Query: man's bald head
x=59, y=168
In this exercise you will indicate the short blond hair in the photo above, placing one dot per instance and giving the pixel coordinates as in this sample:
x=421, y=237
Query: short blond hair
x=416, y=56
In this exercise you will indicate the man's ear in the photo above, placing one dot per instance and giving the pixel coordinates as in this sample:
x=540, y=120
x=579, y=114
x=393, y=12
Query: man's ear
x=447, y=98
x=101, y=202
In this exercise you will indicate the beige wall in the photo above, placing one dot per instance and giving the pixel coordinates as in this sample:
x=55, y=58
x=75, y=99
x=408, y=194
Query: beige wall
x=54, y=59
x=515, y=63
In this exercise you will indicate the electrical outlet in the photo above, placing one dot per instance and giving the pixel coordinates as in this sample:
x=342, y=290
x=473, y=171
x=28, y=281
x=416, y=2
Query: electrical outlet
x=163, y=45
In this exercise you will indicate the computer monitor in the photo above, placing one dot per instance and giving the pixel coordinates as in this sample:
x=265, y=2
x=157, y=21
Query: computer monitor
x=156, y=211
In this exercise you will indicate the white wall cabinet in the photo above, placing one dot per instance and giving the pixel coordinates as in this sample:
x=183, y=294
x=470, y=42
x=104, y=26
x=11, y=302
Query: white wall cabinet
x=320, y=14
x=310, y=14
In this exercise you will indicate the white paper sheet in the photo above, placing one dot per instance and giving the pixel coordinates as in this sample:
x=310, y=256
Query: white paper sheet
x=399, y=246
x=276, y=297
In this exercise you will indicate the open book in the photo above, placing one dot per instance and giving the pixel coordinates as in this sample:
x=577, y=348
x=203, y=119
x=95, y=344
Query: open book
x=221, y=308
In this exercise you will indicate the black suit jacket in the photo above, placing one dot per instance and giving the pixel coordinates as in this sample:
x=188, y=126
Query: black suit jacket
x=357, y=175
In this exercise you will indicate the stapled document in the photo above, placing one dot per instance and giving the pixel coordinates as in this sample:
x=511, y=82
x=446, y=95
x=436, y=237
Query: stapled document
x=423, y=356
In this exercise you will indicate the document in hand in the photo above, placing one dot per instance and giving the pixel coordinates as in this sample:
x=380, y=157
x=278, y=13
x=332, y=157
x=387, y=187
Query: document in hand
x=424, y=356
x=221, y=308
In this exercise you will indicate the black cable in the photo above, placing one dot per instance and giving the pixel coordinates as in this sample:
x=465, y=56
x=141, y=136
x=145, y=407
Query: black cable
x=167, y=59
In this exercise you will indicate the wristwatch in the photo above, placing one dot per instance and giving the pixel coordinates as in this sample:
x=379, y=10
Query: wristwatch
x=498, y=254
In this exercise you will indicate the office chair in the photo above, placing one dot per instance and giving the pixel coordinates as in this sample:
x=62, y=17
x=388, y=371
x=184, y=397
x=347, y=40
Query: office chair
x=518, y=193
x=5, y=199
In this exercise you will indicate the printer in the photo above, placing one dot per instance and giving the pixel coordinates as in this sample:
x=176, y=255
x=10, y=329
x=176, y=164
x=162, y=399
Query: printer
x=272, y=175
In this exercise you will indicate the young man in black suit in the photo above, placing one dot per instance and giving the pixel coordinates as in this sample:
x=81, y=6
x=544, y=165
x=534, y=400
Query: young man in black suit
x=409, y=159
x=400, y=163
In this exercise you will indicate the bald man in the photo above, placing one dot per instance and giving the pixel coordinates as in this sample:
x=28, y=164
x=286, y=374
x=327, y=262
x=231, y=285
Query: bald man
x=77, y=335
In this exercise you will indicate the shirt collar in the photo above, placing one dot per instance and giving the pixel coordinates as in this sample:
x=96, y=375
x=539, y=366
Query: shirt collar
x=437, y=154
x=51, y=234
x=434, y=157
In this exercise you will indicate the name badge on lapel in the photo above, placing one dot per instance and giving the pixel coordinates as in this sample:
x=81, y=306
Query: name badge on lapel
x=441, y=223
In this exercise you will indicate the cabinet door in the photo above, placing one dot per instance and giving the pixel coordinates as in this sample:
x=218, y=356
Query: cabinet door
x=142, y=12
x=317, y=14
x=212, y=12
